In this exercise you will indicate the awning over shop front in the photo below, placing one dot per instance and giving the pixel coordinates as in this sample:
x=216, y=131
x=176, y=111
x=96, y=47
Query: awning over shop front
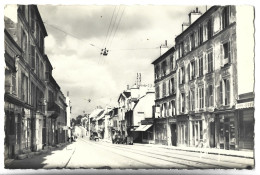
x=143, y=127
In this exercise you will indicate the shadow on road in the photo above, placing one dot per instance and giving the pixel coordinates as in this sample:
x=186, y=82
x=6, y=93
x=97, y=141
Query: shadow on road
x=38, y=161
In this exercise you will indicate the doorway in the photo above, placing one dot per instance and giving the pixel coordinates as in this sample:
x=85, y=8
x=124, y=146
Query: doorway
x=212, y=135
x=174, y=134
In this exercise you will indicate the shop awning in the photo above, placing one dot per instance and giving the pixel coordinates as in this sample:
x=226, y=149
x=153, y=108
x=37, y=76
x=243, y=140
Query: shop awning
x=143, y=127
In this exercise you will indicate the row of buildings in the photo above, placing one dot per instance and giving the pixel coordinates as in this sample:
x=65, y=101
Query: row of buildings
x=37, y=114
x=204, y=87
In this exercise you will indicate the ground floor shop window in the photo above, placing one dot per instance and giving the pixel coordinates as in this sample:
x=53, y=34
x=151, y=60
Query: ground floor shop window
x=197, y=133
x=246, y=129
x=161, y=132
x=227, y=132
x=182, y=133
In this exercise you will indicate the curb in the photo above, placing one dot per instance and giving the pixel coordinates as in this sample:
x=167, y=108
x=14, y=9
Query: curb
x=199, y=151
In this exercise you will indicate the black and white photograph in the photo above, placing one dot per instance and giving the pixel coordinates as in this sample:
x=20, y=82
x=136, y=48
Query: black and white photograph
x=128, y=86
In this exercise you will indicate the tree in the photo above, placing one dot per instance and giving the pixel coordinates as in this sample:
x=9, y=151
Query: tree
x=78, y=120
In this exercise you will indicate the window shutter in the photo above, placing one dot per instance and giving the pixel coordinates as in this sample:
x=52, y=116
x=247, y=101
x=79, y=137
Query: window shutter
x=229, y=52
x=228, y=91
x=221, y=93
x=206, y=63
x=221, y=55
x=189, y=72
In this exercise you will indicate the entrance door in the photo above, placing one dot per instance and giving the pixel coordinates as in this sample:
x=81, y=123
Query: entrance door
x=226, y=131
x=174, y=135
x=212, y=134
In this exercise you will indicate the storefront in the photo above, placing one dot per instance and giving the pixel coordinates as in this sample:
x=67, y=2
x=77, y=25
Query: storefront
x=245, y=115
x=160, y=131
x=226, y=128
x=182, y=130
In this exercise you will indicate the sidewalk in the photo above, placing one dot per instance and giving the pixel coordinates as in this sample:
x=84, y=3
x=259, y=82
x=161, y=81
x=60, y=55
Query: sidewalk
x=235, y=153
x=42, y=159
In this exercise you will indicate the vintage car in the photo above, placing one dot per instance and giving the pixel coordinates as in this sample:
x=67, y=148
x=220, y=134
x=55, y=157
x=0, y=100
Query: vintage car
x=94, y=136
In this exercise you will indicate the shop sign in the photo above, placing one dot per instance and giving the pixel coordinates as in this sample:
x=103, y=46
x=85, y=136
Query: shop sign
x=161, y=121
x=172, y=120
x=245, y=105
x=146, y=122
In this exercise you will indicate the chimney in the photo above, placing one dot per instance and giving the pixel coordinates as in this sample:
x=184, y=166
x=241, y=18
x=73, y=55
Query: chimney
x=68, y=93
x=127, y=87
x=194, y=15
x=163, y=48
x=185, y=26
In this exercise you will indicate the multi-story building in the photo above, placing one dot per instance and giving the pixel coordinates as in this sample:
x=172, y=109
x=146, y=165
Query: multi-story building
x=165, y=98
x=25, y=84
x=211, y=83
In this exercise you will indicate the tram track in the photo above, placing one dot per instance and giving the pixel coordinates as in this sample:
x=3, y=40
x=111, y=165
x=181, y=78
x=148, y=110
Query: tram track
x=178, y=158
x=181, y=162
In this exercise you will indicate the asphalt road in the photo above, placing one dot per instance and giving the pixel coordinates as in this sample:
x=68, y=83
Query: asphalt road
x=101, y=155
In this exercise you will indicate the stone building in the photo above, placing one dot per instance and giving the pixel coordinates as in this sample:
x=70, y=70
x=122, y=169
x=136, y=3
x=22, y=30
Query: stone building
x=211, y=80
x=26, y=81
x=165, y=98
x=203, y=98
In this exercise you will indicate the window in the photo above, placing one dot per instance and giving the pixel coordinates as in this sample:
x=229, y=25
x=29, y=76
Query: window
x=41, y=71
x=226, y=48
x=164, y=68
x=210, y=96
x=171, y=61
x=37, y=65
x=200, y=33
x=225, y=92
x=164, y=89
x=181, y=75
x=225, y=17
x=209, y=28
x=201, y=98
x=182, y=102
x=32, y=21
x=192, y=100
x=157, y=72
x=192, y=41
x=181, y=49
x=24, y=44
x=210, y=62
x=33, y=57
x=33, y=95
x=173, y=107
x=201, y=66
x=14, y=83
x=157, y=89
x=172, y=83
x=192, y=70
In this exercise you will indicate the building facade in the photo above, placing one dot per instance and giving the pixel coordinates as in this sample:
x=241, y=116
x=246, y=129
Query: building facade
x=208, y=80
x=26, y=119
x=165, y=68
x=209, y=105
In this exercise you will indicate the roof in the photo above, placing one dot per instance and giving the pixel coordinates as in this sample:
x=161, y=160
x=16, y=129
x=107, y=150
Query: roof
x=212, y=9
x=95, y=113
x=167, y=53
x=127, y=94
x=40, y=20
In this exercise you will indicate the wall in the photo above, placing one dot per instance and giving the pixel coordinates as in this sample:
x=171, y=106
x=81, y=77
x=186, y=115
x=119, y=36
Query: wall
x=245, y=48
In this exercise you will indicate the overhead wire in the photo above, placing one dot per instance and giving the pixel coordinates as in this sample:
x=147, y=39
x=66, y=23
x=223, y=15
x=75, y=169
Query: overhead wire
x=113, y=27
x=117, y=26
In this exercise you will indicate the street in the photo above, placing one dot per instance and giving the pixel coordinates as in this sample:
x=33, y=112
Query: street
x=102, y=155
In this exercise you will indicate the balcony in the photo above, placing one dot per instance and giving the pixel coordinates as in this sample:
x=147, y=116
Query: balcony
x=53, y=109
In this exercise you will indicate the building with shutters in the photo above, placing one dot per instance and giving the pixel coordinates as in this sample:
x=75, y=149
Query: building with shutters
x=165, y=98
x=28, y=79
x=215, y=102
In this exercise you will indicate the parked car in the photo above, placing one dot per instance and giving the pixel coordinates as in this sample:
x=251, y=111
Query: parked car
x=94, y=136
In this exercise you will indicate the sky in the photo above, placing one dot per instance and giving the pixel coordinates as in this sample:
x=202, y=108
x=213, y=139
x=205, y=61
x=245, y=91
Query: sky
x=76, y=35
